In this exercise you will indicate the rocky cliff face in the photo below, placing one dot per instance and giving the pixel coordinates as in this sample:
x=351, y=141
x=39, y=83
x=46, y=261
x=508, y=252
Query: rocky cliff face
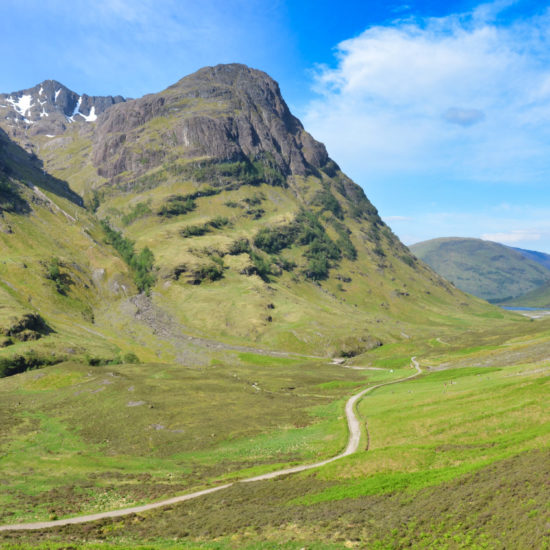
x=48, y=108
x=225, y=113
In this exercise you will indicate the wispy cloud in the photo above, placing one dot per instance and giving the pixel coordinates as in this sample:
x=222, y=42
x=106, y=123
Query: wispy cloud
x=461, y=96
x=512, y=237
x=137, y=46
x=463, y=117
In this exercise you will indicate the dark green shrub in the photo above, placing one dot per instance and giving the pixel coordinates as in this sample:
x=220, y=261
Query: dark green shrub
x=328, y=202
x=323, y=247
x=142, y=264
x=262, y=266
x=255, y=213
x=62, y=280
x=346, y=246
x=211, y=272
x=379, y=251
x=317, y=268
x=194, y=230
x=240, y=246
x=176, y=206
x=94, y=201
x=140, y=210
x=30, y=361
x=218, y=222
x=201, y=229
x=274, y=239
x=255, y=199
x=284, y=264
x=344, y=242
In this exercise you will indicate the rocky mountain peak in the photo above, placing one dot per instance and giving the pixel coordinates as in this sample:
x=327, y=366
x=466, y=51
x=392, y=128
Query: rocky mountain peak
x=247, y=88
x=48, y=108
x=226, y=113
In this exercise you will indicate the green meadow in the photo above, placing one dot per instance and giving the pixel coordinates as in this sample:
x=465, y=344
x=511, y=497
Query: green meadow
x=456, y=458
x=79, y=438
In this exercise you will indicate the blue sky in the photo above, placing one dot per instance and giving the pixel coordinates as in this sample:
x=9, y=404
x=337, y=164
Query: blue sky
x=439, y=110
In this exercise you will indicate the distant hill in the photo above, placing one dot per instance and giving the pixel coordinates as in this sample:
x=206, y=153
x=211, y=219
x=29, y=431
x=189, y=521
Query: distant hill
x=485, y=269
x=539, y=257
x=540, y=297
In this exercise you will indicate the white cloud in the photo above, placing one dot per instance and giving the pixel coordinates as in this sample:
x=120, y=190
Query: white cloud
x=463, y=117
x=512, y=237
x=384, y=109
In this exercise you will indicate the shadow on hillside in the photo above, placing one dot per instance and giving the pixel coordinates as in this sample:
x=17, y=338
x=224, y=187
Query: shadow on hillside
x=18, y=164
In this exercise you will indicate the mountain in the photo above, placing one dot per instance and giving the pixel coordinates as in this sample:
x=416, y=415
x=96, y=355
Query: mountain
x=183, y=267
x=539, y=297
x=48, y=109
x=539, y=257
x=486, y=269
x=232, y=220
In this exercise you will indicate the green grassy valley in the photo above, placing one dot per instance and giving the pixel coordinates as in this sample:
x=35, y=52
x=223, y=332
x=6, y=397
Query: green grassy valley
x=191, y=290
x=456, y=457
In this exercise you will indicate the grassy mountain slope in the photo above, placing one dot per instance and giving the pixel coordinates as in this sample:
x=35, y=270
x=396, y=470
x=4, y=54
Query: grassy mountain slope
x=249, y=218
x=540, y=297
x=55, y=268
x=489, y=270
x=539, y=257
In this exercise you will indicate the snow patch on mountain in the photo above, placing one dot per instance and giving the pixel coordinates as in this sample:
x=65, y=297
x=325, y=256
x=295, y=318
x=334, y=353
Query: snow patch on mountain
x=92, y=117
x=22, y=104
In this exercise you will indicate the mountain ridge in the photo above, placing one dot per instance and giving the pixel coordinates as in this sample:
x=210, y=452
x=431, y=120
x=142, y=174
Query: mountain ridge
x=48, y=108
x=540, y=257
x=238, y=114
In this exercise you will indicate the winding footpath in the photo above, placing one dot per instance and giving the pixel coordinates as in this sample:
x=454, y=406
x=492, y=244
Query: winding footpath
x=354, y=427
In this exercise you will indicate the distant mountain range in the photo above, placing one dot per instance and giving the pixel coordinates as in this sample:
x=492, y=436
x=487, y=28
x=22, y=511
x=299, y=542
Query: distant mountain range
x=489, y=270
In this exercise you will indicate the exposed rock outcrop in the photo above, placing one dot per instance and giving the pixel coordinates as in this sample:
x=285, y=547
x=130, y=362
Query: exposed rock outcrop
x=225, y=113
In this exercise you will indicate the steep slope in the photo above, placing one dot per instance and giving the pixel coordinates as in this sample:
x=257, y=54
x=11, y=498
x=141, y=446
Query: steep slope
x=483, y=268
x=54, y=268
x=257, y=235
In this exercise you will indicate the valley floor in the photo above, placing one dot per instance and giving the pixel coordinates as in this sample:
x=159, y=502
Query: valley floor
x=458, y=457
